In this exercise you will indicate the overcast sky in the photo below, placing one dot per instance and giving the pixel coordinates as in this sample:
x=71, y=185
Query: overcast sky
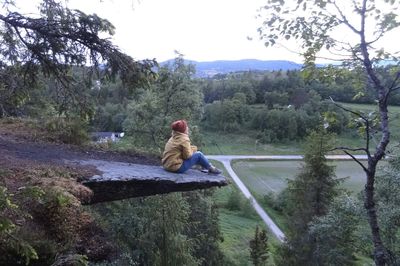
x=201, y=30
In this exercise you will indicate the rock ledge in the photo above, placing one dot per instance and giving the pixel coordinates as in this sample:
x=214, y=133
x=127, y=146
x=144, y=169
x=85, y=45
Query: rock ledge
x=119, y=181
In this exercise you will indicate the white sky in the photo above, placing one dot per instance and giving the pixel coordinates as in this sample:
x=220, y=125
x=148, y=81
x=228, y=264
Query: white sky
x=201, y=30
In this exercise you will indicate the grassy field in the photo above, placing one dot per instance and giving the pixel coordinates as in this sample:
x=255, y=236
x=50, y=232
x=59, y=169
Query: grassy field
x=244, y=144
x=237, y=228
x=263, y=177
x=394, y=125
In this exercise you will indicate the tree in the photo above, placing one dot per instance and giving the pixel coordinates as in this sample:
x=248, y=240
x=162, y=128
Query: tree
x=353, y=32
x=274, y=97
x=203, y=228
x=388, y=198
x=151, y=230
x=335, y=232
x=174, y=95
x=308, y=197
x=56, y=40
x=259, y=247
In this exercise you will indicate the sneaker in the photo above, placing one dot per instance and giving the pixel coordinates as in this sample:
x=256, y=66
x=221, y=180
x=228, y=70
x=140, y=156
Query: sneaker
x=199, y=168
x=214, y=170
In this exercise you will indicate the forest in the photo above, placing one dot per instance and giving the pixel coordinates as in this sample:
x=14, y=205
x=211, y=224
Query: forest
x=61, y=83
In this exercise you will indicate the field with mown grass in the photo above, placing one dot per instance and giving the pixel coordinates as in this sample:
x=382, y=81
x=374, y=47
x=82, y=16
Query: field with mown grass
x=245, y=143
x=263, y=177
x=237, y=227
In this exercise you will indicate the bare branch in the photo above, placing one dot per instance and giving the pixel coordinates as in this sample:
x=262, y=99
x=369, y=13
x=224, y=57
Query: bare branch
x=396, y=79
x=377, y=38
x=344, y=20
x=348, y=149
x=357, y=161
x=395, y=89
x=349, y=110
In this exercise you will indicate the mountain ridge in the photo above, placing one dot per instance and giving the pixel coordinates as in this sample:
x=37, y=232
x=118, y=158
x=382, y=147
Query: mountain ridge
x=211, y=68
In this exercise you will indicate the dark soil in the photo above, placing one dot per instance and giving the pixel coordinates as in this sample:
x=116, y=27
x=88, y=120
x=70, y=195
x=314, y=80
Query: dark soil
x=56, y=153
x=14, y=148
x=23, y=147
x=27, y=157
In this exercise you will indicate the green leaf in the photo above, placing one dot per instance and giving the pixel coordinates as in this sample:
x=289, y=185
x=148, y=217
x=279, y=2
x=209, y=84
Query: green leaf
x=6, y=225
x=359, y=95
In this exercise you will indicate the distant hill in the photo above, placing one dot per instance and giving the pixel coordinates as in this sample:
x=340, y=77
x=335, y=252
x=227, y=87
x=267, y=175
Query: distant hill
x=209, y=69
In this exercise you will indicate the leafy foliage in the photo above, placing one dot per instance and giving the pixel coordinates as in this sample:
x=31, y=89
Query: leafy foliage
x=313, y=24
x=308, y=197
x=10, y=243
x=173, y=96
x=68, y=130
x=184, y=230
x=387, y=189
x=259, y=247
x=335, y=232
x=54, y=42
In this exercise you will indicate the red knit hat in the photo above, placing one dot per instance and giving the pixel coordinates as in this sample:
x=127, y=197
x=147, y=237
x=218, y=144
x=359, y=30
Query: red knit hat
x=179, y=125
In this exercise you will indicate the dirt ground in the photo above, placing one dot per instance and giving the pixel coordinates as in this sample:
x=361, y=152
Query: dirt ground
x=23, y=147
x=29, y=159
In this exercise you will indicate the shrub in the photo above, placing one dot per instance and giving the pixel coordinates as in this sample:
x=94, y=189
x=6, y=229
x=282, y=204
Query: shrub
x=247, y=208
x=68, y=130
x=15, y=249
x=276, y=201
x=234, y=201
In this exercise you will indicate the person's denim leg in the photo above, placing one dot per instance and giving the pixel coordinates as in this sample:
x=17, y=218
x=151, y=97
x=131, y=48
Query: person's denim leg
x=197, y=158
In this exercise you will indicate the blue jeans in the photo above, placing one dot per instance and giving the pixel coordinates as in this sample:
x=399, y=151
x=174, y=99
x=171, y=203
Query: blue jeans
x=197, y=158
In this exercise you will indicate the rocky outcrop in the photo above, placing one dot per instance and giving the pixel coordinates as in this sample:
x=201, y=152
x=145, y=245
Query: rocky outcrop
x=119, y=180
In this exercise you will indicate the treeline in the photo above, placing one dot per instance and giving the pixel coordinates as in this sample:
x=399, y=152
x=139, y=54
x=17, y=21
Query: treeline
x=283, y=106
x=274, y=106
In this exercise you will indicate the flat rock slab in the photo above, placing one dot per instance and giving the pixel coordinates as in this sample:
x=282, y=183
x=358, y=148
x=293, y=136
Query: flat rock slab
x=120, y=180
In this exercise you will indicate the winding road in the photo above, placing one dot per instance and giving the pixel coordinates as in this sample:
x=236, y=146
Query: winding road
x=226, y=161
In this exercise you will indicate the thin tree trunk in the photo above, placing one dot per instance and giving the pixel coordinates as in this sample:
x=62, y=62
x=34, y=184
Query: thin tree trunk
x=380, y=252
x=369, y=203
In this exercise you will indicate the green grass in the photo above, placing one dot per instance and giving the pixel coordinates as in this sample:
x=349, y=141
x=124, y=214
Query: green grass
x=394, y=124
x=237, y=232
x=370, y=107
x=237, y=229
x=131, y=145
x=263, y=177
x=244, y=144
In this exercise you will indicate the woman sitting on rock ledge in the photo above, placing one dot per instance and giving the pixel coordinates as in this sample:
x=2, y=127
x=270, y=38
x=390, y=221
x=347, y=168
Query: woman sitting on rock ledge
x=179, y=155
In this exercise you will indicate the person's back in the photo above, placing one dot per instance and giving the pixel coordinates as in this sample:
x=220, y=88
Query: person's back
x=176, y=151
x=179, y=155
